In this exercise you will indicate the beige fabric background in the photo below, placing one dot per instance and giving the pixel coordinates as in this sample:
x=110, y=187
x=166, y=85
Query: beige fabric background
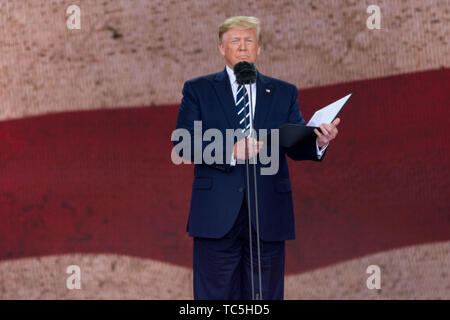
x=45, y=67
x=418, y=272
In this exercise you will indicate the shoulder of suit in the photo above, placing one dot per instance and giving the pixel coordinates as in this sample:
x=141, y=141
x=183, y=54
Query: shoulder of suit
x=278, y=82
x=203, y=79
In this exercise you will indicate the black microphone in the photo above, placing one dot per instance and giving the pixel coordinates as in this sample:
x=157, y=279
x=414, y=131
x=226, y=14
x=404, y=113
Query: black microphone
x=245, y=72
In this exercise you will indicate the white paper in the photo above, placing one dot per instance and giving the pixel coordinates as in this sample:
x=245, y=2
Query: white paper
x=328, y=113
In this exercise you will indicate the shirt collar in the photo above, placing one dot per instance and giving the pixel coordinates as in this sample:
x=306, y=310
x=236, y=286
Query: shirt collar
x=231, y=75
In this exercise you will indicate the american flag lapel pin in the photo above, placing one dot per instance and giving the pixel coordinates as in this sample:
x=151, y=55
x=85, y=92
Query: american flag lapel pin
x=268, y=90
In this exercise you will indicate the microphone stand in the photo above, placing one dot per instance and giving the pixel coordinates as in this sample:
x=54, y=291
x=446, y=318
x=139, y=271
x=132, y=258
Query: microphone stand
x=258, y=295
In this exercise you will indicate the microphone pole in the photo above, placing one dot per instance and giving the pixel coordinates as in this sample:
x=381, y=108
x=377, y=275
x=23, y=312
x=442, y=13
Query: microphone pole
x=256, y=205
x=248, y=196
x=246, y=74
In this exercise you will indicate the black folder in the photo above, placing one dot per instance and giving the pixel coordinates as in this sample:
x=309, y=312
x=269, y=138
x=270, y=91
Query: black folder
x=291, y=134
x=293, y=137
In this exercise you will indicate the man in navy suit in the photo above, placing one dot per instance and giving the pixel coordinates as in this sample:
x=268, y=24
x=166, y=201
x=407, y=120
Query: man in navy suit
x=218, y=217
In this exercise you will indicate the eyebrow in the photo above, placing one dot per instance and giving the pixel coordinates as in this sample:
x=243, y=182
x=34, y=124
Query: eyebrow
x=239, y=38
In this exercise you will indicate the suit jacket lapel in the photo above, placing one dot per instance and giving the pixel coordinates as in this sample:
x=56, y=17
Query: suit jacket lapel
x=225, y=96
x=264, y=98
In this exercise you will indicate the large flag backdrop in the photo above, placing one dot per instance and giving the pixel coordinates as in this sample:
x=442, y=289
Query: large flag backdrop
x=86, y=176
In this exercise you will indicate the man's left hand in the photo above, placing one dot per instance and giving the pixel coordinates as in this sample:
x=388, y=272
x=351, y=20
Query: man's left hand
x=329, y=132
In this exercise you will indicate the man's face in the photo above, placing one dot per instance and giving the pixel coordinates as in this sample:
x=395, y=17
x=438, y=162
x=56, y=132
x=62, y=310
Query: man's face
x=239, y=45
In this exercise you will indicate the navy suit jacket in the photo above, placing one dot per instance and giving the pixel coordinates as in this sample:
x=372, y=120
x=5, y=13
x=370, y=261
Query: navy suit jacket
x=218, y=189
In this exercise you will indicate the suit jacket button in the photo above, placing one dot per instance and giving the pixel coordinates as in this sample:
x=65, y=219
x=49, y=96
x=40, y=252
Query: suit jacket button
x=241, y=189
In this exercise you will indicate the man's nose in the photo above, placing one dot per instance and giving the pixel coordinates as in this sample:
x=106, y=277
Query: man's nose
x=243, y=46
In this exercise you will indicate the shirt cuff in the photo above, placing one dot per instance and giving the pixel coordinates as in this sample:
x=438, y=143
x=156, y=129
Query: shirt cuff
x=232, y=161
x=320, y=151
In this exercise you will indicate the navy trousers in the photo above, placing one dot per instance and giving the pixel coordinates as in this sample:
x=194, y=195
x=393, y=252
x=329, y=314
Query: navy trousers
x=222, y=266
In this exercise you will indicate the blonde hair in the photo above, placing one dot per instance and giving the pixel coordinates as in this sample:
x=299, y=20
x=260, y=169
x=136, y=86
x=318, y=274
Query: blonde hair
x=240, y=22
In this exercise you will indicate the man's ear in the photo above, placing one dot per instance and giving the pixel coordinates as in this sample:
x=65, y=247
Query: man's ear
x=221, y=49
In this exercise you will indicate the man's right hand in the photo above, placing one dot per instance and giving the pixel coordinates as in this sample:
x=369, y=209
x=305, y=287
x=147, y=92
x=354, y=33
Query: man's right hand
x=253, y=147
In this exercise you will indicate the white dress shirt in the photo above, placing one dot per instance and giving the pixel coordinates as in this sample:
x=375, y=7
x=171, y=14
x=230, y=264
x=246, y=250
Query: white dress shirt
x=234, y=88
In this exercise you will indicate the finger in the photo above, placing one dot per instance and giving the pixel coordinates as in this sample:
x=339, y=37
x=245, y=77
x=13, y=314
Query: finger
x=324, y=130
x=336, y=122
x=255, y=145
x=332, y=130
x=320, y=137
x=329, y=127
x=317, y=132
x=260, y=146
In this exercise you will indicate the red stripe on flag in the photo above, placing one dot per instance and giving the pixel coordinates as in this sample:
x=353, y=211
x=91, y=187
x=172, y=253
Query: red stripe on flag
x=103, y=182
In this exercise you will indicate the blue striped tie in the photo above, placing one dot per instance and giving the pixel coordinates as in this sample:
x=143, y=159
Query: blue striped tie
x=240, y=107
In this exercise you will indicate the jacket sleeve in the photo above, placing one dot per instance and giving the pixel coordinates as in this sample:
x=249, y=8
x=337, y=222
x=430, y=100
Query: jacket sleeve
x=188, y=113
x=305, y=150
